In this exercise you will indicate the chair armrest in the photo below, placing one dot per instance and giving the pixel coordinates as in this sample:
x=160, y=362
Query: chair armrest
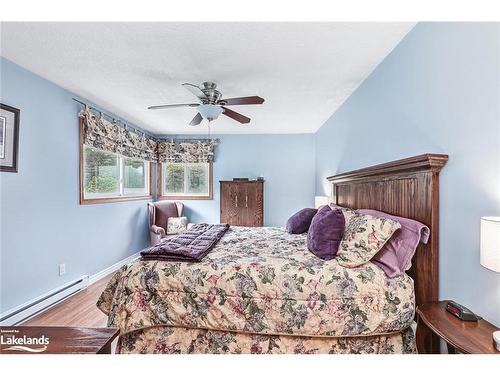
x=158, y=230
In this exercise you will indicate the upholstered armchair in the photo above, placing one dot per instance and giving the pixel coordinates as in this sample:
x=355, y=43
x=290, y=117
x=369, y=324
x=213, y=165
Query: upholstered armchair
x=158, y=214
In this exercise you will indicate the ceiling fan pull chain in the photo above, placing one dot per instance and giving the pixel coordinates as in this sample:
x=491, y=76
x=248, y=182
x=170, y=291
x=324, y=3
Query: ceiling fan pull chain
x=209, y=129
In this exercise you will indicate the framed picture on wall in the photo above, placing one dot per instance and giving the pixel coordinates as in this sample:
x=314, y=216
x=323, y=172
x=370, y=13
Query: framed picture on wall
x=9, y=138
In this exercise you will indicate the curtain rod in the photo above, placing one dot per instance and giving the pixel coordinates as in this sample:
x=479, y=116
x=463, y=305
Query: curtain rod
x=116, y=121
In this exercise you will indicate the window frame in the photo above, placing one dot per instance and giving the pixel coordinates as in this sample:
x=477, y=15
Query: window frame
x=162, y=196
x=116, y=198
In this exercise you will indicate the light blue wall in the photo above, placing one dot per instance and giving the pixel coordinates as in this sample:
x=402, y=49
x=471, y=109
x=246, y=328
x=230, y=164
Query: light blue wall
x=286, y=161
x=438, y=91
x=42, y=222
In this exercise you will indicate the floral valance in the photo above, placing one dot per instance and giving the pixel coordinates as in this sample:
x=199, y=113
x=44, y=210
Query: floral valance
x=186, y=151
x=108, y=136
x=103, y=134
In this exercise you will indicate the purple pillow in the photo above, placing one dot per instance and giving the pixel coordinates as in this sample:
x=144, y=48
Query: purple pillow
x=395, y=257
x=325, y=232
x=300, y=221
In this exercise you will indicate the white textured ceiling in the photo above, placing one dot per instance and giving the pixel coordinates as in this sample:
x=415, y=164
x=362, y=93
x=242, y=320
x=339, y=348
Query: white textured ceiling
x=305, y=71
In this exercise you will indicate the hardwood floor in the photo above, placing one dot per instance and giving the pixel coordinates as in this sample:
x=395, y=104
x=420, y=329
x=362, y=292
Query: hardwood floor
x=77, y=311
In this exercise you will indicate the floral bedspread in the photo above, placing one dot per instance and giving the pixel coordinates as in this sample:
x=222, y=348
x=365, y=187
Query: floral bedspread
x=175, y=340
x=260, y=280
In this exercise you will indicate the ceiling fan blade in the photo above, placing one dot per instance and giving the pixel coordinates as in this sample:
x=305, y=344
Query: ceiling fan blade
x=173, y=106
x=196, y=120
x=195, y=90
x=243, y=100
x=235, y=115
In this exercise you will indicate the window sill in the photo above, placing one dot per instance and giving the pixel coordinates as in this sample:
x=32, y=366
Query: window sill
x=184, y=198
x=84, y=201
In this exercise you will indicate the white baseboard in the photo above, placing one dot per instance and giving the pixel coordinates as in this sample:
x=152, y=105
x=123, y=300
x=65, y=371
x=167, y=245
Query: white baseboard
x=114, y=267
x=47, y=300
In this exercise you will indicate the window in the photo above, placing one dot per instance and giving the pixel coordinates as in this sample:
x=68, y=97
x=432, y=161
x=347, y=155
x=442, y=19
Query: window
x=186, y=180
x=107, y=176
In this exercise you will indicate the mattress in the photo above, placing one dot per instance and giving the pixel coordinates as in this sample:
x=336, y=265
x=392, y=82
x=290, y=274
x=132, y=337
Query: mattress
x=260, y=281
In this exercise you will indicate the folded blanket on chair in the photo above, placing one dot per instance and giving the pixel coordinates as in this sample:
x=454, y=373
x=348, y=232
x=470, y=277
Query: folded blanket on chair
x=189, y=246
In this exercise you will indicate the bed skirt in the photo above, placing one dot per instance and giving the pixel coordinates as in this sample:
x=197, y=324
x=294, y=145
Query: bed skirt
x=175, y=340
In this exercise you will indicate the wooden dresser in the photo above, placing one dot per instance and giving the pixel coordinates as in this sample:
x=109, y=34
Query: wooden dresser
x=242, y=203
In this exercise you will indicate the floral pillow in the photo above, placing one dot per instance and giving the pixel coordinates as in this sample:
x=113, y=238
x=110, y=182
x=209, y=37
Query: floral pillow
x=176, y=225
x=348, y=213
x=364, y=236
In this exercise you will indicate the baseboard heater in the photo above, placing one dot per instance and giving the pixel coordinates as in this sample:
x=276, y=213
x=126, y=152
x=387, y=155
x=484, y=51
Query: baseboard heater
x=34, y=307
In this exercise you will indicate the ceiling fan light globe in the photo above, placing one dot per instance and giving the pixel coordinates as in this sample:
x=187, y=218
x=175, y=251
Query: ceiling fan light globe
x=210, y=111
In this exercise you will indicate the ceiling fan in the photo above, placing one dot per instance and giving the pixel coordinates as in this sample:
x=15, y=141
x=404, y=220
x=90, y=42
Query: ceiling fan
x=211, y=104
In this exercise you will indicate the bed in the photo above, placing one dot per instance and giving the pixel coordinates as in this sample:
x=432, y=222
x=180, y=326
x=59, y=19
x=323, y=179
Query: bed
x=261, y=291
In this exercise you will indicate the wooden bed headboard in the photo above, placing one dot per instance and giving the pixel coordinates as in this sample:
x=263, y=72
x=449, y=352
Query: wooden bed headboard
x=409, y=188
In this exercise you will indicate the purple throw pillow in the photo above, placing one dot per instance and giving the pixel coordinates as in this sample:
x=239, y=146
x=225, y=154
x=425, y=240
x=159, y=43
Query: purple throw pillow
x=300, y=221
x=395, y=257
x=325, y=232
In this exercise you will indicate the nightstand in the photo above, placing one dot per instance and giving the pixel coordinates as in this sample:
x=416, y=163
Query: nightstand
x=460, y=336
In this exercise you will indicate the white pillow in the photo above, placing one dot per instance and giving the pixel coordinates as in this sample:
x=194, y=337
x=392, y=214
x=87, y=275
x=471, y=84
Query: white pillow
x=176, y=225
